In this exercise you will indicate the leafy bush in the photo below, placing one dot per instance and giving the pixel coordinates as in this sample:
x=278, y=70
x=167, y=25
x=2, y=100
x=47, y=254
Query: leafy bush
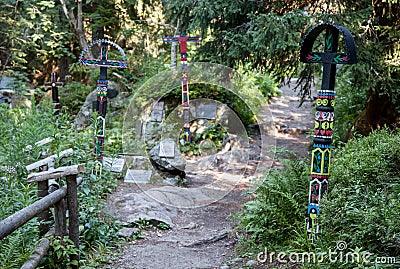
x=214, y=133
x=21, y=127
x=255, y=89
x=363, y=206
x=277, y=213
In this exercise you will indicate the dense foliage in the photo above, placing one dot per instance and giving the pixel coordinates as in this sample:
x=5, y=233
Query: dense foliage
x=275, y=217
x=363, y=205
x=268, y=35
x=21, y=127
x=361, y=210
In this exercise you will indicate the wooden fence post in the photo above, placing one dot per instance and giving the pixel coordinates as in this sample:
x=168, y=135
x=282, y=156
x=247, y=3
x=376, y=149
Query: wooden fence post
x=72, y=198
x=60, y=218
x=43, y=217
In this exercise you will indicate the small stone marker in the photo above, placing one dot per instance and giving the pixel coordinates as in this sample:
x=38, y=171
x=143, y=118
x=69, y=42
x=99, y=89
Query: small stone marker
x=137, y=176
x=113, y=164
x=157, y=114
x=206, y=111
x=7, y=83
x=167, y=149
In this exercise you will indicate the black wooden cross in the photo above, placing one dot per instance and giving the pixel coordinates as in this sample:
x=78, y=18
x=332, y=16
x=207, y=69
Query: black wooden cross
x=323, y=124
x=101, y=105
x=54, y=84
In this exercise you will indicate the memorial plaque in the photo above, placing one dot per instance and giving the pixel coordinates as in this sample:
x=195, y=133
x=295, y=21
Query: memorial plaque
x=206, y=111
x=113, y=164
x=157, y=114
x=7, y=83
x=167, y=149
x=137, y=176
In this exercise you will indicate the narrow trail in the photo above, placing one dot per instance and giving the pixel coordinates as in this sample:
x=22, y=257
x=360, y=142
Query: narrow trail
x=201, y=234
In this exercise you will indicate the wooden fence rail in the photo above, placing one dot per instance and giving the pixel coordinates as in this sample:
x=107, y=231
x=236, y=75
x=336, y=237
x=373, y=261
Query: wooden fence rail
x=19, y=218
x=56, y=200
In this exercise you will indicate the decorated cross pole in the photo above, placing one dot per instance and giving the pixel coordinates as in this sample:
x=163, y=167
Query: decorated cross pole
x=101, y=105
x=54, y=84
x=183, y=39
x=324, y=115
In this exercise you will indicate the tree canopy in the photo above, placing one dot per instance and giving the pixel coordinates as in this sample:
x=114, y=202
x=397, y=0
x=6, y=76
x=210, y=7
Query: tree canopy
x=41, y=36
x=267, y=35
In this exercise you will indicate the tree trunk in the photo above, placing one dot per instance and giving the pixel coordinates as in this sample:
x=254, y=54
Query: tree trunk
x=378, y=113
x=77, y=25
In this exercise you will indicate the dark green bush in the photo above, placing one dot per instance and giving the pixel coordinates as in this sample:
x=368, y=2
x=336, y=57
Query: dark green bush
x=363, y=208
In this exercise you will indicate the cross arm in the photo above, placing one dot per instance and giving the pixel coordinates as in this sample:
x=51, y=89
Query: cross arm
x=170, y=39
x=54, y=84
x=307, y=56
x=327, y=58
x=194, y=39
x=104, y=63
x=182, y=39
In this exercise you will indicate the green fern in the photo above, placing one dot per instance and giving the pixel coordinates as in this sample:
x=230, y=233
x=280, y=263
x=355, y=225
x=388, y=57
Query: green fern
x=15, y=250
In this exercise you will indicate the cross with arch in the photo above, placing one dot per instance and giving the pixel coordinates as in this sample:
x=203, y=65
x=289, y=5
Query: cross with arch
x=101, y=102
x=324, y=115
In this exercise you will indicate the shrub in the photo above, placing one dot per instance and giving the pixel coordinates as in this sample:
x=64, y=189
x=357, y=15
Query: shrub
x=363, y=208
x=278, y=209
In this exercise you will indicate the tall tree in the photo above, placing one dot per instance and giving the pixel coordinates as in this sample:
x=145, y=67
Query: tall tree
x=33, y=38
x=76, y=22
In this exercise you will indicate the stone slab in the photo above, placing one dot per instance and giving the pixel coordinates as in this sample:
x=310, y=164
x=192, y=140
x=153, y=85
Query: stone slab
x=7, y=83
x=167, y=149
x=157, y=114
x=137, y=176
x=113, y=164
x=206, y=111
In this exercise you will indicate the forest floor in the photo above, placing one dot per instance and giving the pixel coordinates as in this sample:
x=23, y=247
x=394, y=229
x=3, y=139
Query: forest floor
x=202, y=234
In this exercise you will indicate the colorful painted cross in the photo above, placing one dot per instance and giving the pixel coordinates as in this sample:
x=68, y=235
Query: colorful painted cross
x=183, y=39
x=54, y=84
x=101, y=106
x=324, y=115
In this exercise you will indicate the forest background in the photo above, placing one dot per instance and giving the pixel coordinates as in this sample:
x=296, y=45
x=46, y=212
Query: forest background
x=262, y=38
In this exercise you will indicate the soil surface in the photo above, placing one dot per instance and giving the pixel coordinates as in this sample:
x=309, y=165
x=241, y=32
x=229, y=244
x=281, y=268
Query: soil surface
x=201, y=235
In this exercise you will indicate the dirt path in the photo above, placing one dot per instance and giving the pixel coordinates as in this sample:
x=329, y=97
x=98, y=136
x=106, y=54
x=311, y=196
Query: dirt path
x=201, y=234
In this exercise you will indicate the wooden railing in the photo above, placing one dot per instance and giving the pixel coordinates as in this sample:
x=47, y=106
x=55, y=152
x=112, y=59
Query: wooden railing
x=54, y=199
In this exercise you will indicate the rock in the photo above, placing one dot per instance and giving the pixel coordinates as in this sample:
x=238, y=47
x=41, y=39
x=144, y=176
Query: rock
x=207, y=240
x=7, y=83
x=236, y=260
x=250, y=263
x=175, y=164
x=83, y=119
x=131, y=208
x=172, y=181
x=128, y=232
x=191, y=226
